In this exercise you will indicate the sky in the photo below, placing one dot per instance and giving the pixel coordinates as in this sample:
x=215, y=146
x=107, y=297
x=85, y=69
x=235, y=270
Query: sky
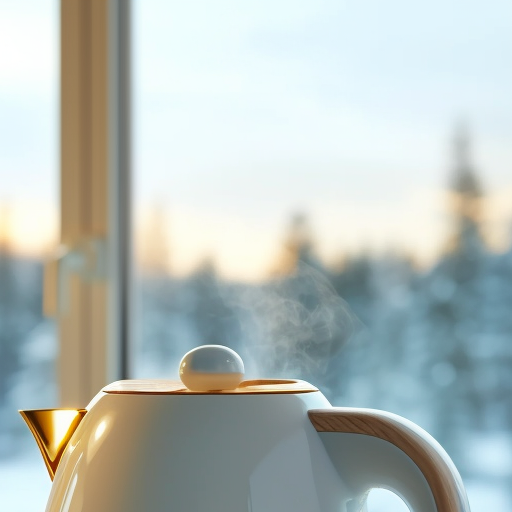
x=29, y=123
x=248, y=112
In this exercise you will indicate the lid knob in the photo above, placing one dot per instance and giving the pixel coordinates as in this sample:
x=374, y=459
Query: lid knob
x=211, y=368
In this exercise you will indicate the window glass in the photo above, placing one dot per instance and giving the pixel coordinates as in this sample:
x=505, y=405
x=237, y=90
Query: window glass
x=325, y=187
x=28, y=228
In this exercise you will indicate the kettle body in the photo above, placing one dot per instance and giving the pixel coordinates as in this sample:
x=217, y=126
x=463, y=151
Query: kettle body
x=221, y=453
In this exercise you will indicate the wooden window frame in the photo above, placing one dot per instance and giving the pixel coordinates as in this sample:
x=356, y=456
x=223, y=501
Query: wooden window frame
x=92, y=301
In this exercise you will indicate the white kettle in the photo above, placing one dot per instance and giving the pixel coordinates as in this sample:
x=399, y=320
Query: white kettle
x=215, y=443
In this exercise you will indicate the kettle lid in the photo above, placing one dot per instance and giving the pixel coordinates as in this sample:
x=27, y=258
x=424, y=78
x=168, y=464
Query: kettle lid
x=174, y=387
x=210, y=369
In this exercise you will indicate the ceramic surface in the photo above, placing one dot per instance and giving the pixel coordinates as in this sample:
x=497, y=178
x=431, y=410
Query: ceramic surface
x=222, y=453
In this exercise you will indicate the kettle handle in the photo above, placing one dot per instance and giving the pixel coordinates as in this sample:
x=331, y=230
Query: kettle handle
x=366, y=462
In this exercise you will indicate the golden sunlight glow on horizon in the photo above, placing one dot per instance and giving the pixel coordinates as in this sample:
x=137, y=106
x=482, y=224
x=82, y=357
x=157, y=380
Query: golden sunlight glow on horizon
x=29, y=228
x=181, y=239
x=419, y=227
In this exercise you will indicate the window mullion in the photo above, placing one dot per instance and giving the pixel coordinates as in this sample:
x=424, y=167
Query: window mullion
x=94, y=287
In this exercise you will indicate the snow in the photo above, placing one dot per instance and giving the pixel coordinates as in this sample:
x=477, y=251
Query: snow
x=488, y=496
x=490, y=454
x=24, y=483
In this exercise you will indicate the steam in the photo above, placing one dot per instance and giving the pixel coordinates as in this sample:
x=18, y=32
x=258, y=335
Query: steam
x=293, y=326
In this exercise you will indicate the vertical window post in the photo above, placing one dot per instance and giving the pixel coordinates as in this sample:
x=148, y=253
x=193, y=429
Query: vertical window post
x=94, y=264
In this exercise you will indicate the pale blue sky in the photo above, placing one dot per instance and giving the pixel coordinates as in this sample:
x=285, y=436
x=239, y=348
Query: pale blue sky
x=29, y=120
x=247, y=111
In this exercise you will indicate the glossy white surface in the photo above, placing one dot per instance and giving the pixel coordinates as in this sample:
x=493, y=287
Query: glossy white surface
x=224, y=453
x=255, y=453
x=211, y=368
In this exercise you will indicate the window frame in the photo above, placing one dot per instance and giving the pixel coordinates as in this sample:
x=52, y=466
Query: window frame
x=93, y=296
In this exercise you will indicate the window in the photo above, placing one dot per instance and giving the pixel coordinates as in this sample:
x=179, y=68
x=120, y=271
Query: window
x=365, y=146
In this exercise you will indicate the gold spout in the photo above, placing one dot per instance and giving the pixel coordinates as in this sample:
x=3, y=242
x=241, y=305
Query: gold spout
x=52, y=429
